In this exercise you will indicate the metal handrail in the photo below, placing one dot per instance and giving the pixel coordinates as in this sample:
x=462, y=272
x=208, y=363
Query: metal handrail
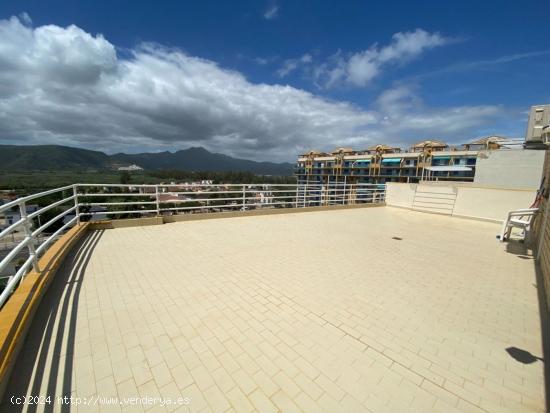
x=24, y=199
x=232, y=196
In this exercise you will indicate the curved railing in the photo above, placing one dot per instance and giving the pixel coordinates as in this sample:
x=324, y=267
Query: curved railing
x=29, y=238
x=69, y=205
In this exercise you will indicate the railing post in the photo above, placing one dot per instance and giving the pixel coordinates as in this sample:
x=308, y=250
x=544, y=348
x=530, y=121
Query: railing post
x=344, y=194
x=27, y=227
x=329, y=193
x=244, y=198
x=76, y=204
x=157, y=199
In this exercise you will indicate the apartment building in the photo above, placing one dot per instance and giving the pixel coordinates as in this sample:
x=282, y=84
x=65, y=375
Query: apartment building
x=425, y=160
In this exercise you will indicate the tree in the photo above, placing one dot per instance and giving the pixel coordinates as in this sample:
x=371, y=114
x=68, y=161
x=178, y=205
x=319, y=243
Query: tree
x=125, y=177
x=47, y=216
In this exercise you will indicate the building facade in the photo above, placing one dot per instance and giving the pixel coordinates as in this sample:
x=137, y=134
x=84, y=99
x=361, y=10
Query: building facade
x=426, y=160
x=538, y=126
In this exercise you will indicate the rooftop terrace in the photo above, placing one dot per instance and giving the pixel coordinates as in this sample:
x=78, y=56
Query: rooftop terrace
x=371, y=309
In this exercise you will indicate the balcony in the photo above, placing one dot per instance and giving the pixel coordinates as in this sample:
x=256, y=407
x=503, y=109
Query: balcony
x=349, y=309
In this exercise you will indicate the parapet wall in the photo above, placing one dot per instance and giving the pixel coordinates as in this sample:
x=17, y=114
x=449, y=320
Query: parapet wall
x=541, y=231
x=520, y=169
x=460, y=200
x=17, y=314
x=166, y=219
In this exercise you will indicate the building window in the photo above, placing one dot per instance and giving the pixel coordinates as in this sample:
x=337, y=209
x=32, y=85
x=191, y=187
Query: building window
x=538, y=116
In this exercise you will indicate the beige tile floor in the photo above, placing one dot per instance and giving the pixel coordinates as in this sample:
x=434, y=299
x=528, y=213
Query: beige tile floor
x=320, y=311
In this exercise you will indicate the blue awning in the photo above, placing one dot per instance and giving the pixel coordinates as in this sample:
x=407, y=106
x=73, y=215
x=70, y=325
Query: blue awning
x=391, y=160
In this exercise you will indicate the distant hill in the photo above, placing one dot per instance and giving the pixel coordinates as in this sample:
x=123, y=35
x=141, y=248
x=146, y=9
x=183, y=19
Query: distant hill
x=56, y=157
x=50, y=157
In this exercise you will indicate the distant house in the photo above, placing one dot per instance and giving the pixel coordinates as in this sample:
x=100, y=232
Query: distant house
x=132, y=167
x=168, y=198
x=11, y=217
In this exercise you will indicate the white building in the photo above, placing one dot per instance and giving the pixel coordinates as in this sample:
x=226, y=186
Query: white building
x=132, y=167
x=538, y=127
x=11, y=217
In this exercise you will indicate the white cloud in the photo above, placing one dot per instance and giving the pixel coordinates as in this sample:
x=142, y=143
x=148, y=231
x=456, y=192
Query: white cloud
x=360, y=68
x=271, y=12
x=407, y=118
x=290, y=65
x=66, y=86
x=485, y=64
x=262, y=61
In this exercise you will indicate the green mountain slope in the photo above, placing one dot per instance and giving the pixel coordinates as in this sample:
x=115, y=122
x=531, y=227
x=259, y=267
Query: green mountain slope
x=55, y=157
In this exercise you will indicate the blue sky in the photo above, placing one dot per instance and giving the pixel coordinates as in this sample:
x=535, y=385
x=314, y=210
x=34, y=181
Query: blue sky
x=268, y=79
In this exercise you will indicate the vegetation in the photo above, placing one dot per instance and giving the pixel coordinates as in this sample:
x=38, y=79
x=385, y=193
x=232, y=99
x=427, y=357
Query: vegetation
x=125, y=177
x=47, y=216
x=50, y=157
x=35, y=181
x=25, y=183
x=30, y=182
x=220, y=177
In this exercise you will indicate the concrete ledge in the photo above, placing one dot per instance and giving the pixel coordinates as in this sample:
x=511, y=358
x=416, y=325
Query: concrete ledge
x=126, y=223
x=166, y=219
x=495, y=221
x=259, y=212
x=17, y=314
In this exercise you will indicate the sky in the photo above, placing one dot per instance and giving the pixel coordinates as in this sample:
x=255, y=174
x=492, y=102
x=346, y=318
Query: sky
x=268, y=79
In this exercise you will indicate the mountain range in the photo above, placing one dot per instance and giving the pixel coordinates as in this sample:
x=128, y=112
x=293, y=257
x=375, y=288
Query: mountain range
x=57, y=157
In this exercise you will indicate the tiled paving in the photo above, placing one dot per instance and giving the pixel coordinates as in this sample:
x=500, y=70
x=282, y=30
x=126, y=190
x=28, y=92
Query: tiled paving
x=319, y=311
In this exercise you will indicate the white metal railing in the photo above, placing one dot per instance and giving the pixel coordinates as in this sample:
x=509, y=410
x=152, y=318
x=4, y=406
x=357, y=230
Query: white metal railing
x=30, y=237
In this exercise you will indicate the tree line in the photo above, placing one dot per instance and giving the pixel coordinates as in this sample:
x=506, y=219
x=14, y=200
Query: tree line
x=233, y=177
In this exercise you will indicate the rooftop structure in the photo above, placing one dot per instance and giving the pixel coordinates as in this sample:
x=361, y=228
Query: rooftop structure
x=487, y=142
x=429, y=145
x=240, y=318
x=351, y=305
x=381, y=149
x=538, y=126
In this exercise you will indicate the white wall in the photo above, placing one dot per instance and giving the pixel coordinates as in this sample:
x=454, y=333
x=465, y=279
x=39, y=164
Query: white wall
x=521, y=169
x=469, y=201
x=401, y=195
x=491, y=203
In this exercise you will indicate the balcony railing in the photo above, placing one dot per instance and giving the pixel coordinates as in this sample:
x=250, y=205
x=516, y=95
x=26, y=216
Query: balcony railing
x=33, y=232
